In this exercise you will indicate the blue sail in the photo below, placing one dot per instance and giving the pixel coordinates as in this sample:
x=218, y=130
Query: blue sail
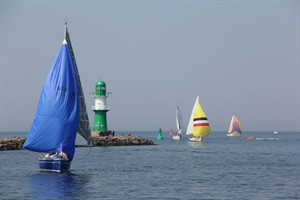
x=54, y=128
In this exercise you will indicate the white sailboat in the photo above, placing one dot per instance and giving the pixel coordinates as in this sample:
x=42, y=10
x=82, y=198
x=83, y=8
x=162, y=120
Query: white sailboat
x=198, y=126
x=179, y=125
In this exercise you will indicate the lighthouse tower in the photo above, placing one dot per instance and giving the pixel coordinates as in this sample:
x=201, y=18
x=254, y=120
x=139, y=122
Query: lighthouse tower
x=100, y=108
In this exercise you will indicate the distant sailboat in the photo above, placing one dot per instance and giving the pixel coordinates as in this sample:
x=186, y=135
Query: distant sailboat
x=198, y=126
x=179, y=125
x=234, y=127
x=61, y=113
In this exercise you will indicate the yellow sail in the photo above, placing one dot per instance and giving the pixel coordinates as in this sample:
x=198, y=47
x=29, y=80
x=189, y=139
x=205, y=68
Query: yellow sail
x=200, y=125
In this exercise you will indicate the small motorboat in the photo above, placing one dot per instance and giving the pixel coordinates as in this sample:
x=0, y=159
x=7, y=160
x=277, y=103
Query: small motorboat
x=249, y=137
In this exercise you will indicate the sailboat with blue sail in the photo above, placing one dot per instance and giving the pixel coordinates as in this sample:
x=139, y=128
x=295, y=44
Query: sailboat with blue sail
x=61, y=113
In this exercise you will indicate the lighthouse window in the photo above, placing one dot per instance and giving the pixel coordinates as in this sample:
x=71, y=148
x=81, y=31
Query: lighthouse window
x=100, y=88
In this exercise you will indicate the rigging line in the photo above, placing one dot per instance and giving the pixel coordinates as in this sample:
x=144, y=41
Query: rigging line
x=87, y=153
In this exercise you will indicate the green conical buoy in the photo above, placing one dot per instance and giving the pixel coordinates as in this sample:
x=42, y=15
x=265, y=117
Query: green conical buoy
x=160, y=136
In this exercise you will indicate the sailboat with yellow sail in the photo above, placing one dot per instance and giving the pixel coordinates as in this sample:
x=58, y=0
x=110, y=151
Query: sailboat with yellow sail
x=234, y=127
x=198, y=126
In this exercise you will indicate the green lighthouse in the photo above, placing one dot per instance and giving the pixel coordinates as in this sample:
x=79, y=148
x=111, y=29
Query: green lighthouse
x=100, y=108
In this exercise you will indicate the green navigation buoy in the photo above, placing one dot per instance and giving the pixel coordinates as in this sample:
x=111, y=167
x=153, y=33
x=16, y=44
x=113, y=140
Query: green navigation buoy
x=160, y=136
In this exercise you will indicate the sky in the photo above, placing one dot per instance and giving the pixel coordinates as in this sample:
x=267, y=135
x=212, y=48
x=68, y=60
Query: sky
x=240, y=57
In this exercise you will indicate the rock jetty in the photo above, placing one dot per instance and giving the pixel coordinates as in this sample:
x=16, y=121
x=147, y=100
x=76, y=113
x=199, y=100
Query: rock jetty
x=120, y=140
x=16, y=143
x=11, y=143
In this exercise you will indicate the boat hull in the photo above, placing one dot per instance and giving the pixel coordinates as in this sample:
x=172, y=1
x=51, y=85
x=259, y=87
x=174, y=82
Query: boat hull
x=233, y=134
x=176, y=137
x=54, y=165
x=250, y=137
x=195, y=139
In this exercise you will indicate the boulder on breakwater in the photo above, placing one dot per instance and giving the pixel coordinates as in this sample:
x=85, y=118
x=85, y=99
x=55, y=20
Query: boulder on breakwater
x=11, y=143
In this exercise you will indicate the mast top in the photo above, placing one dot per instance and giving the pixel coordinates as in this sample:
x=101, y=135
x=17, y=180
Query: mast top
x=66, y=29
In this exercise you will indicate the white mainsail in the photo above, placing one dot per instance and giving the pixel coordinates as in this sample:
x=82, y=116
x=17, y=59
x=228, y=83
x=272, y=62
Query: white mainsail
x=179, y=123
x=190, y=128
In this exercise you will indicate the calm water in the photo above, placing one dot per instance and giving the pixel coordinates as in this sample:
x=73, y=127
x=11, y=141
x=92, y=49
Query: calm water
x=218, y=168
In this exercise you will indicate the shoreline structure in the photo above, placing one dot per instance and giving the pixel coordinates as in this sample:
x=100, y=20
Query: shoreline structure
x=16, y=143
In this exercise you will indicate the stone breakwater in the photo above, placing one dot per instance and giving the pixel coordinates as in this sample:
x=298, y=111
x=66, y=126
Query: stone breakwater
x=11, y=143
x=120, y=141
x=16, y=143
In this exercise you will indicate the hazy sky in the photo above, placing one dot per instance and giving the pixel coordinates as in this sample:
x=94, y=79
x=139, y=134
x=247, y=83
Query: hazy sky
x=240, y=56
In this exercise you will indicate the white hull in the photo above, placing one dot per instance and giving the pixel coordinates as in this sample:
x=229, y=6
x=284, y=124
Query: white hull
x=195, y=139
x=233, y=134
x=176, y=137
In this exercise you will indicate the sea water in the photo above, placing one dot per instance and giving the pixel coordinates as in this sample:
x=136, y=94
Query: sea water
x=220, y=167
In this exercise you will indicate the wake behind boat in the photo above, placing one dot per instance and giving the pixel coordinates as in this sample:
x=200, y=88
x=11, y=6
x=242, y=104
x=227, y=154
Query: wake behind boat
x=61, y=113
x=269, y=138
x=249, y=137
x=198, y=126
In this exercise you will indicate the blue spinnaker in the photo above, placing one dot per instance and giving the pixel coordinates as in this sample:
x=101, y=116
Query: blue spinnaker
x=54, y=128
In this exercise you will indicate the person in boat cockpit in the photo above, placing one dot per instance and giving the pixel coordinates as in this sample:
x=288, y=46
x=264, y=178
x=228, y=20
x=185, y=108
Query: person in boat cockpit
x=61, y=155
x=64, y=156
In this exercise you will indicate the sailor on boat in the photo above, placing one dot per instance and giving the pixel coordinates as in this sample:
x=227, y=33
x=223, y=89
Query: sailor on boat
x=55, y=156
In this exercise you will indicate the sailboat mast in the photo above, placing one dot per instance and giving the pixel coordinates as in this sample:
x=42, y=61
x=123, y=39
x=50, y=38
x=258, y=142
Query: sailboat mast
x=179, y=121
x=66, y=23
